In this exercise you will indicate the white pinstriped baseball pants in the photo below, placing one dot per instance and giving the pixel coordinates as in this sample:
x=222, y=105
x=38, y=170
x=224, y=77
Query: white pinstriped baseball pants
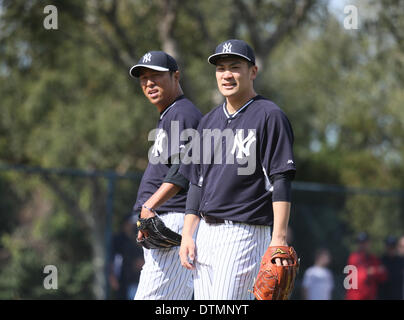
x=228, y=259
x=162, y=276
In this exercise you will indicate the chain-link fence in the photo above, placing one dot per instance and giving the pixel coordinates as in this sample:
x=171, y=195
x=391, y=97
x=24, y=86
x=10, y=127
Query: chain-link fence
x=67, y=218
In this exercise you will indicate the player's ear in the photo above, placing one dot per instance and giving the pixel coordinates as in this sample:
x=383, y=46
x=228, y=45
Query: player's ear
x=176, y=75
x=253, y=72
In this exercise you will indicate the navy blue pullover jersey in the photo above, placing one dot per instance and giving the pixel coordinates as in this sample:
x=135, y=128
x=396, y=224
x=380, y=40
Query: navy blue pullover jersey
x=180, y=115
x=235, y=170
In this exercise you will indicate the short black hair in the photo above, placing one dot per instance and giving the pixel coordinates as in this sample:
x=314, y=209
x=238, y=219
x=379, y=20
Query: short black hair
x=320, y=251
x=250, y=64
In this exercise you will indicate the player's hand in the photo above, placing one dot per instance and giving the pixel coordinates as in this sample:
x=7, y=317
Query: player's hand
x=187, y=253
x=114, y=283
x=141, y=235
x=144, y=214
x=280, y=242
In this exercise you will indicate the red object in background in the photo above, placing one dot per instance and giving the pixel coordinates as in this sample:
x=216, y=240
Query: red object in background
x=371, y=274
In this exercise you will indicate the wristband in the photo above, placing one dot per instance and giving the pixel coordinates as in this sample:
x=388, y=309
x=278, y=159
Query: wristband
x=150, y=209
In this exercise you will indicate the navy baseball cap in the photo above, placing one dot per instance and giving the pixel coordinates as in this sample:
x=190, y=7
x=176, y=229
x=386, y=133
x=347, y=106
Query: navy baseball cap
x=233, y=47
x=156, y=60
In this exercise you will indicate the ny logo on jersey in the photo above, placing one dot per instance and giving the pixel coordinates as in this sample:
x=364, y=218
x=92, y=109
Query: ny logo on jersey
x=158, y=144
x=226, y=47
x=147, y=57
x=243, y=145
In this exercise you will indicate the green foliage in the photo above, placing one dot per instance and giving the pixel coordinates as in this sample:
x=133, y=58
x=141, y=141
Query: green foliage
x=23, y=278
x=49, y=236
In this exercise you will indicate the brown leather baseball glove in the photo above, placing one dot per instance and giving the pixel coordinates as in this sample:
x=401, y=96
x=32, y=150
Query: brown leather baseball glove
x=276, y=282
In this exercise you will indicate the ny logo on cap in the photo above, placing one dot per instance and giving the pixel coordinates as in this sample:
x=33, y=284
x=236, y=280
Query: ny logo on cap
x=147, y=57
x=226, y=47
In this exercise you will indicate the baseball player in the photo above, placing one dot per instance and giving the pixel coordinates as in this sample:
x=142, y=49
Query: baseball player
x=233, y=210
x=162, y=191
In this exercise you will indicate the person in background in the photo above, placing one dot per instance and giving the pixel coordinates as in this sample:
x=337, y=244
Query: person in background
x=400, y=247
x=370, y=271
x=126, y=261
x=400, y=253
x=392, y=288
x=318, y=281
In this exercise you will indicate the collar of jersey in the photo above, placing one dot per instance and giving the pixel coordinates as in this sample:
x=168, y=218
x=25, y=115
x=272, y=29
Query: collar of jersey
x=170, y=106
x=228, y=116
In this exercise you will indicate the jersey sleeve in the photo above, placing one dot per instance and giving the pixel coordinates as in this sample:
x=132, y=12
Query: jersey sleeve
x=175, y=177
x=191, y=167
x=179, y=127
x=193, y=200
x=277, y=144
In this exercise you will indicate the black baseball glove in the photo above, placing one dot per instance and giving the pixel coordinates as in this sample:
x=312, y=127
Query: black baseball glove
x=158, y=235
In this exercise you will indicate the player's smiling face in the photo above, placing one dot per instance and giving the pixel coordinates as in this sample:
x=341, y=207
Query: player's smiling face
x=158, y=86
x=235, y=76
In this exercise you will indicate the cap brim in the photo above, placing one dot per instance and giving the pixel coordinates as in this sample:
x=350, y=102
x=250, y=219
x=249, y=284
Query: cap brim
x=214, y=57
x=134, y=71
